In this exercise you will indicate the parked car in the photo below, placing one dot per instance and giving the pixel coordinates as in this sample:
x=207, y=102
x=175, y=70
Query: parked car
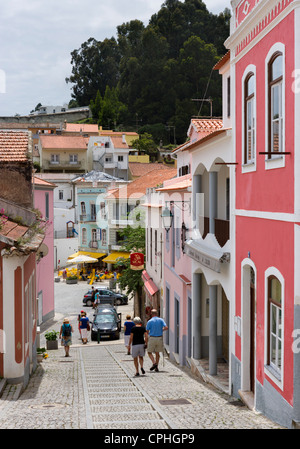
x=106, y=323
x=106, y=296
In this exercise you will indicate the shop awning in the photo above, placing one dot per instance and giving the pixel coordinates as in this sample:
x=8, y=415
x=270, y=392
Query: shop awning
x=150, y=286
x=113, y=257
x=207, y=254
x=87, y=253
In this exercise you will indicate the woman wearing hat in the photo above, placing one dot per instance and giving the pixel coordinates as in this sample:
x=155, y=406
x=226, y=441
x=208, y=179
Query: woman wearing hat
x=65, y=334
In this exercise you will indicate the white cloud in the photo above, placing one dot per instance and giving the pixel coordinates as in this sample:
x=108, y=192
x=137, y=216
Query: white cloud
x=37, y=38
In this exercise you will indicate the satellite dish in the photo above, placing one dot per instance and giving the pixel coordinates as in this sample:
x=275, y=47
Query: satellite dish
x=42, y=251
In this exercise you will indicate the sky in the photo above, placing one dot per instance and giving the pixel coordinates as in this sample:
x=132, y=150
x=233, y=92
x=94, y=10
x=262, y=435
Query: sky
x=37, y=38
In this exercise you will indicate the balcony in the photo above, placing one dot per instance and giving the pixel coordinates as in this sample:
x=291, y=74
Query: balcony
x=49, y=165
x=221, y=230
x=84, y=218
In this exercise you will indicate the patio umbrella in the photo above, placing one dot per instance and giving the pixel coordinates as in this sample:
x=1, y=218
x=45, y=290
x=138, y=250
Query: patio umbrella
x=82, y=259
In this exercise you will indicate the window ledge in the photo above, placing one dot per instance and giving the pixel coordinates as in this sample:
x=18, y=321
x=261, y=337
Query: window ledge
x=274, y=375
x=249, y=167
x=275, y=162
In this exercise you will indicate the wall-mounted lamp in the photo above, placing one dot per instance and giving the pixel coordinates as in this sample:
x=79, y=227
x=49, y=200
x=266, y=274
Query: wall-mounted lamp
x=167, y=218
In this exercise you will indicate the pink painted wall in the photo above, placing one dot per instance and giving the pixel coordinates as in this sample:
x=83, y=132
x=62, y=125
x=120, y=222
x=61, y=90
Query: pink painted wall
x=183, y=266
x=270, y=242
x=45, y=270
x=267, y=190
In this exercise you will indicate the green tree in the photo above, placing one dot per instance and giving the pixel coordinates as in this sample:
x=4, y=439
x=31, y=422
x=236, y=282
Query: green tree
x=96, y=107
x=131, y=280
x=95, y=65
x=145, y=144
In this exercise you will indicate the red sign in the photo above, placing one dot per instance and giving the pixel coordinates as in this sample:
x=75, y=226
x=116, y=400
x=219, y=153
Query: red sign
x=137, y=261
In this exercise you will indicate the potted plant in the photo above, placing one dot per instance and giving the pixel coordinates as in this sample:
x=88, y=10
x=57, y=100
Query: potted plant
x=72, y=279
x=52, y=339
x=40, y=353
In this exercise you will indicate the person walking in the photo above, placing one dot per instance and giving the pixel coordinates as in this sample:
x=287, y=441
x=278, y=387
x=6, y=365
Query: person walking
x=138, y=341
x=128, y=325
x=65, y=334
x=84, y=327
x=155, y=328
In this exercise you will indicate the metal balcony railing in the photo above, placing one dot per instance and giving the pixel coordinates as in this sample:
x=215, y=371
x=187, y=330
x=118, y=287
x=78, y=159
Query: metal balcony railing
x=87, y=217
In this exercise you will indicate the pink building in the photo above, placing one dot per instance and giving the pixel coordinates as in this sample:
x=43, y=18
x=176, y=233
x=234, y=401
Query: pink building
x=20, y=240
x=43, y=201
x=265, y=59
x=177, y=295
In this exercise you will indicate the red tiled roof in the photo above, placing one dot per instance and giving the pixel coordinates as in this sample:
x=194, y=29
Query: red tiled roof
x=118, y=142
x=180, y=183
x=41, y=182
x=204, y=127
x=13, y=231
x=82, y=127
x=63, y=142
x=137, y=189
x=141, y=168
x=222, y=61
x=14, y=146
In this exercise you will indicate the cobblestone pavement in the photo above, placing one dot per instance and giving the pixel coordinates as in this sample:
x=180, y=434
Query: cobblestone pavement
x=94, y=387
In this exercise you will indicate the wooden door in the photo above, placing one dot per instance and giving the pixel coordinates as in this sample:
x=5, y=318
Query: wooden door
x=225, y=327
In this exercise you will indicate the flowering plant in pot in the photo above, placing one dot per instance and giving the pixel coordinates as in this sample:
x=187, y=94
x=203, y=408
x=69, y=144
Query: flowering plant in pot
x=72, y=279
x=41, y=354
x=52, y=339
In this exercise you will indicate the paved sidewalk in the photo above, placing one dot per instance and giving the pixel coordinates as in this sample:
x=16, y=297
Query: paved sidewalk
x=87, y=390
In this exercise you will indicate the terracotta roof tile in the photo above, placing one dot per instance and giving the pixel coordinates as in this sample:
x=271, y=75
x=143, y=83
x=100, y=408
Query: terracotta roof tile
x=180, y=183
x=12, y=230
x=42, y=182
x=137, y=189
x=205, y=127
x=63, y=142
x=141, y=168
x=118, y=142
x=81, y=127
x=14, y=146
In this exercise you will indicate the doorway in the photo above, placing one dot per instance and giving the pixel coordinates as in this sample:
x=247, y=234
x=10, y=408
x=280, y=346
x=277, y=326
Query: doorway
x=248, y=328
x=225, y=327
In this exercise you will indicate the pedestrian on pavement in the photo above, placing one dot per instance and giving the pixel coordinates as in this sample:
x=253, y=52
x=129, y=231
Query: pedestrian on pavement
x=138, y=342
x=79, y=329
x=96, y=299
x=65, y=334
x=155, y=328
x=84, y=327
x=128, y=325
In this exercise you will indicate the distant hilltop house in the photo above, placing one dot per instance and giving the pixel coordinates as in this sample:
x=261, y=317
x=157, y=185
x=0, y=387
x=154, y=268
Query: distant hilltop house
x=57, y=109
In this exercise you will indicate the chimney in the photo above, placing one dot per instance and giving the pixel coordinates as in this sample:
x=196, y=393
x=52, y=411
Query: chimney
x=124, y=138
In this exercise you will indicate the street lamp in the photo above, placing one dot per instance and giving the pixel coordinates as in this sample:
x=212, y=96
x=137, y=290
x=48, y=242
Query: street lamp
x=167, y=218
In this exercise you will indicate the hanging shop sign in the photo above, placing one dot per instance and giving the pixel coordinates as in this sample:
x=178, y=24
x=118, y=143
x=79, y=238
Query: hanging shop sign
x=137, y=261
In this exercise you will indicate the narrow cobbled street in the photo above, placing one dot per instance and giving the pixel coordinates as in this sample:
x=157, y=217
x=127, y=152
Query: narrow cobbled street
x=96, y=389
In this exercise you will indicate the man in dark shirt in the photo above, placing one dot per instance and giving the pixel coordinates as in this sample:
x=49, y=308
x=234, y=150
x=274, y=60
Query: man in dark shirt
x=138, y=341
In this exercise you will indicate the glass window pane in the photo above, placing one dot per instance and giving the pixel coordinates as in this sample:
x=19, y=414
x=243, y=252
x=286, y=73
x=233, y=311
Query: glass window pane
x=277, y=68
x=275, y=102
x=250, y=86
x=279, y=322
x=276, y=290
x=279, y=362
x=273, y=319
x=273, y=349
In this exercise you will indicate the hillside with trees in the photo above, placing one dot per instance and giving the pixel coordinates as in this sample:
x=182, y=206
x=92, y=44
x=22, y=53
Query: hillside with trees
x=148, y=78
